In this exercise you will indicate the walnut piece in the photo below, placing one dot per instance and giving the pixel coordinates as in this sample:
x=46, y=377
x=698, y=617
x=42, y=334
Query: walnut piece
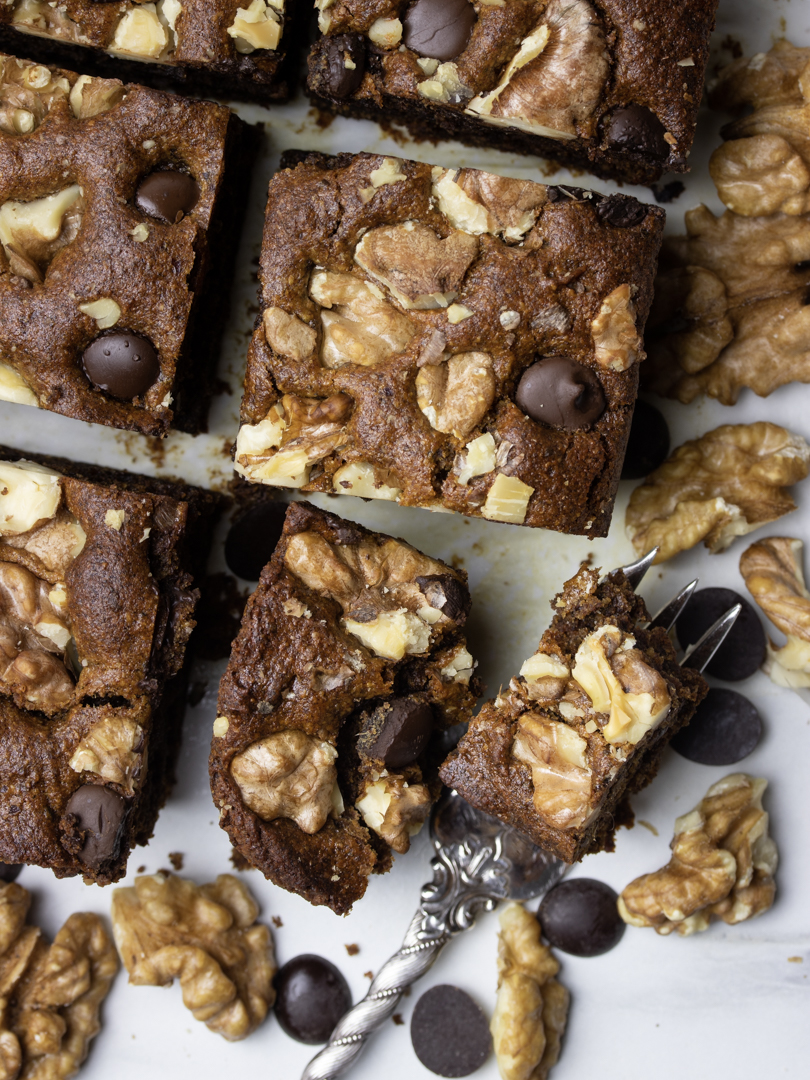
x=256, y=26
x=29, y=495
x=33, y=232
x=479, y=202
x=507, y=499
x=421, y=270
x=532, y=1006
x=360, y=325
x=140, y=32
x=13, y=387
x=49, y=21
x=772, y=570
x=27, y=93
x=456, y=395
x=444, y=85
x=288, y=335
x=395, y=810
x=290, y=775
x=771, y=78
x=725, y=484
x=616, y=340
x=207, y=936
x=561, y=776
x=51, y=995
x=722, y=864
x=112, y=749
x=90, y=97
x=366, y=481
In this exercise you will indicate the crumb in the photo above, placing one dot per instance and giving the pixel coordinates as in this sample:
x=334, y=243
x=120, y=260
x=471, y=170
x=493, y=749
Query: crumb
x=397, y=1018
x=795, y=959
x=733, y=46
x=457, y=562
x=196, y=692
x=176, y=859
x=140, y=870
x=276, y=921
x=588, y=560
x=163, y=870
x=398, y=135
x=647, y=825
x=352, y=950
x=406, y=992
x=369, y=974
x=667, y=193
x=238, y=861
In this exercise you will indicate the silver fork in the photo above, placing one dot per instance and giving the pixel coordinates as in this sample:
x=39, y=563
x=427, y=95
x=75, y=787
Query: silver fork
x=479, y=862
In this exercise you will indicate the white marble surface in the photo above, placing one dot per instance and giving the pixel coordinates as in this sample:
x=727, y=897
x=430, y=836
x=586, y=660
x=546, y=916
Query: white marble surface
x=727, y=1003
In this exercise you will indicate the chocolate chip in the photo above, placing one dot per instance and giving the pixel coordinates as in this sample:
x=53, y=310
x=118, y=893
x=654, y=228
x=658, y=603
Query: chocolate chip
x=9, y=871
x=439, y=29
x=743, y=651
x=252, y=539
x=406, y=729
x=101, y=814
x=636, y=128
x=561, y=392
x=449, y=1032
x=340, y=80
x=312, y=997
x=725, y=729
x=123, y=364
x=446, y=593
x=648, y=445
x=167, y=195
x=621, y=211
x=580, y=917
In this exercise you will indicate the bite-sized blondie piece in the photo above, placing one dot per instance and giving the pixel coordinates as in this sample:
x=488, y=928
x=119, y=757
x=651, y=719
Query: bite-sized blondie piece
x=96, y=607
x=349, y=661
x=223, y=47
x=612, y=87
x=582, y=726
x=119, y=213
x=447, y=339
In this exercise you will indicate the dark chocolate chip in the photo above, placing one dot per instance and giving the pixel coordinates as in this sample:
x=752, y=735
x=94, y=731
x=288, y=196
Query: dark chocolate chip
x=449, y=1032
x=446, y=593
x=561, y=392
x=312, y=997
x=123, y=364
x=621, y=211
x=580, y=917
x=725, y=729
x=636, y=128
x=743, y=651
x=439, y=29
x=167, y=195
x=340, y=80
x=406, y=729
x=101, y=814
x=252, y=539
x=9, y=871
x=648, y=445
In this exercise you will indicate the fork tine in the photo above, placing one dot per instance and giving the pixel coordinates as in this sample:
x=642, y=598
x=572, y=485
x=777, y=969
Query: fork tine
x=669, y=612
x=635, y=571
x=697, y=656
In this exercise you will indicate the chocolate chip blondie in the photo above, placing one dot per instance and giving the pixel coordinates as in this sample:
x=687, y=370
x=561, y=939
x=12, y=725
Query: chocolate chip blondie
x=449, y=339
x=96, y=607
x=349, y=664
x=612, y=87
x=119, y=214
x=582, y=726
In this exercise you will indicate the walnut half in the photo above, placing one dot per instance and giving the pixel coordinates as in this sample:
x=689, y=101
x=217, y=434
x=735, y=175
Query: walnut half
x=772, y=570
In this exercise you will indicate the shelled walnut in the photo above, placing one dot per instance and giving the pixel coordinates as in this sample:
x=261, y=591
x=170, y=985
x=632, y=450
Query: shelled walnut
x=27, y=93
x=772, y=570
x=532, y=1007
x=51, y=995
x=207, y=936
x=722, y=865
x=726, y=484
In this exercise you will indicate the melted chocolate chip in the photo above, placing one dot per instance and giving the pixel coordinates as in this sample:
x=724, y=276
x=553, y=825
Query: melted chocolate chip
x=312, y=997
x=252, y=539
x=439, y=29
x=648, y=445
x=446, y=593
x=743, y=651
x=580, y=917
x=561, y=392
x=339, y=80
x=636, y=128
x=405, y=732
x=167, y=195
x=123, y=364
x=10, y=871
x=621, y=211
x=101, y=814
x=725, y=729
x=449, y=1032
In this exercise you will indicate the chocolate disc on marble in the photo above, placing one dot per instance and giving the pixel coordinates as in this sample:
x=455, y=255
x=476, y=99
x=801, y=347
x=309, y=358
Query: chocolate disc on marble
x=561, y=392
x=648, y=445
x=167, y=195
x=439, y=29
x=123, y=364
x=743, y=651
x=580, y=917
x=101, y=813
x=449, y=1032
x=345, y=64
x=406, y=729
x=634, y=127
x=252, y=539
x=312, y=995
x=621, y=211
x=725, y=729
x=446, y=593
x=9, y=871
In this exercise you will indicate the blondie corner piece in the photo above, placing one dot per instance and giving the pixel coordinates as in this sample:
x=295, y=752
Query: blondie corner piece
x=612, y=87
x=582, y=726
x=96, y=608
x=119, y=218
x=447, y=339
x=349, y=664
x=222, y=47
